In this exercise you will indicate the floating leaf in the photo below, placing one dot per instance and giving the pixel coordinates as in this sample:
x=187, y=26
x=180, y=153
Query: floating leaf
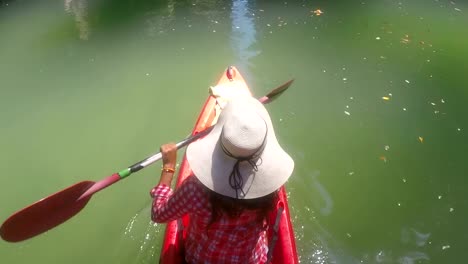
x=317, y=12
x=405, y=39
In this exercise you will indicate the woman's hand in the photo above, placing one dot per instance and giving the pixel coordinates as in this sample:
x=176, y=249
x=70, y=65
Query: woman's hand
x=169, y=155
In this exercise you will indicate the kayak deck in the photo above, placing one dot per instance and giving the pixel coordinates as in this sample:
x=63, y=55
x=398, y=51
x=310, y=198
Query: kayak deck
x=280, y=234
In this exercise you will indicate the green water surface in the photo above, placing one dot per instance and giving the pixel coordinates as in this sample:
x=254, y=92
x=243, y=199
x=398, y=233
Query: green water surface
x=376, y=119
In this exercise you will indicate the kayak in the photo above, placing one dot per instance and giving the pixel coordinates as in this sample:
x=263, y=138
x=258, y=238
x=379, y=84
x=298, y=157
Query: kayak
x=282, y=246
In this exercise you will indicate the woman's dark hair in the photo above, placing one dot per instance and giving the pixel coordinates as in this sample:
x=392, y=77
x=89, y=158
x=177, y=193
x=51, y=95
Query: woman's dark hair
x=233, y=207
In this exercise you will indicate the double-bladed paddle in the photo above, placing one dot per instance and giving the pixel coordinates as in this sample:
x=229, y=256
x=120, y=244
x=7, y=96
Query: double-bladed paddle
x=57, y=208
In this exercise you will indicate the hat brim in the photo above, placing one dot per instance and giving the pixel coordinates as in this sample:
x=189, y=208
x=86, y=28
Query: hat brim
x=212, y=166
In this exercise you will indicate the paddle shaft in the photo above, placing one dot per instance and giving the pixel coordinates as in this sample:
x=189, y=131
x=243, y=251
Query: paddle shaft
x=106, y=182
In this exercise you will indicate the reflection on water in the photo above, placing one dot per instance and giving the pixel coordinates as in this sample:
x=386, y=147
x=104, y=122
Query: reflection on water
x=243, y=35
x=387, y=257
x=79, y=9
x=414, y=241
x=327, y=206
x=413, y=257
x=160, y=20
x=414, y=237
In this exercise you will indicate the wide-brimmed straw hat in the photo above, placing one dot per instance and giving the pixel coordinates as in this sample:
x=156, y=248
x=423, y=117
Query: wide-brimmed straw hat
x=241, y=157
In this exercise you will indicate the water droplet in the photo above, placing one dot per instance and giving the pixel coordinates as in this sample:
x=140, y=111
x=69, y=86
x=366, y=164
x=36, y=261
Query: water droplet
x=387, y=147
x=346, y=112
x=404, y=109
x=377, y=38
x=439, y=197
x=404, y=180
x=445, y=247
x=451, y=209
x=407, y=81
x=348, y=235
x=399, y=204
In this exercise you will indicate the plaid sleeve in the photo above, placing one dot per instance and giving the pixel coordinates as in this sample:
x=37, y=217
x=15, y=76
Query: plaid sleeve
x=169, y=205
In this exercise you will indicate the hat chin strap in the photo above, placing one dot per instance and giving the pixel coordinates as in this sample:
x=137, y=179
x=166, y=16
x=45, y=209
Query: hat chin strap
x=236, y=181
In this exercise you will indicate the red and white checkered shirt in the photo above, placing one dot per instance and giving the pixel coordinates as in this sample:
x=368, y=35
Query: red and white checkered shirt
x=240, y=240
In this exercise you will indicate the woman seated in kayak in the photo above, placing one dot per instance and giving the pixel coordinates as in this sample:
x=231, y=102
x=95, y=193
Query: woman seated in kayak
x=238, y=168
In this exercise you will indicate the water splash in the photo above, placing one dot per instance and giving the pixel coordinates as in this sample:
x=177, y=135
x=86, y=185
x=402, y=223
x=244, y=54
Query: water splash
x=140, y=238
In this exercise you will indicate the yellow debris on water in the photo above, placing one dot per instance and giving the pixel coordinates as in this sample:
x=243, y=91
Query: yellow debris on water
x=421, y=139
x=317, y=12
x=405, y=39
x=386, y=98
x=383, y=158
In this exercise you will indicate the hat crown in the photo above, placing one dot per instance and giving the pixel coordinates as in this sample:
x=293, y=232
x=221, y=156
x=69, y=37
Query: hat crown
x=243, y=134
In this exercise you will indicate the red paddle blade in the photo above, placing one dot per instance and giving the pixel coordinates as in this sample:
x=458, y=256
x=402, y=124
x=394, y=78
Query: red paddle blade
x=45, y=214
